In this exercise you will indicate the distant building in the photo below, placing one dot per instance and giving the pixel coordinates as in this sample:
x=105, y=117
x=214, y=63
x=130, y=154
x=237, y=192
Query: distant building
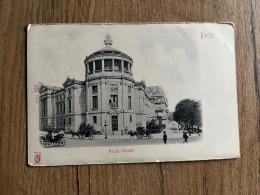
x=109, y=96
x=160, y=101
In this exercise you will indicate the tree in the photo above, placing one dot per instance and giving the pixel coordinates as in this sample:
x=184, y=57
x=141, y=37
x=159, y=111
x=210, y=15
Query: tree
x=188, y=113
x=82, y=127
x=52, y=125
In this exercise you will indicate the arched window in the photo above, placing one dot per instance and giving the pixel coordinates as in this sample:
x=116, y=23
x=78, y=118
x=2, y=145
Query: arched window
x=117, y=65
x=108, y=65
x=90, y=67
x=98, y=64
x=126, y=67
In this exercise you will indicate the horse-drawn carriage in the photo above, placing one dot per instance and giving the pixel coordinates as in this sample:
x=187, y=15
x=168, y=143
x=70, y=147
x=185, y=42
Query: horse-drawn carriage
x=48, y=141
x=90, y=134
x=141, y=133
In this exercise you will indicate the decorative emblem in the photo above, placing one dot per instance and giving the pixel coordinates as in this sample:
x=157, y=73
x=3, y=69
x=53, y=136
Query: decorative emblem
x=37, y=157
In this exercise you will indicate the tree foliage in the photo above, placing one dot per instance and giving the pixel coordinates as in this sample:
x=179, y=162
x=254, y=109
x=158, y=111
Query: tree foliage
x=153, y=124
x=52, y=125
x=188, y=113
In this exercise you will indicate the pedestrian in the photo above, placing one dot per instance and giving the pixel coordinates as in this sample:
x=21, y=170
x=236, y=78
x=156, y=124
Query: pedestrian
x=185, y=137
x=164, y=137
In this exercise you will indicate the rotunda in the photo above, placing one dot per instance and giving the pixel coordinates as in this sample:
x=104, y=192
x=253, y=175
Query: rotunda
x=109, y=89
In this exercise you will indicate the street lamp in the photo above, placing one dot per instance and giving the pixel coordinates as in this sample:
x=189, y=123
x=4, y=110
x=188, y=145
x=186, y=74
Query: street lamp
x=105, y=129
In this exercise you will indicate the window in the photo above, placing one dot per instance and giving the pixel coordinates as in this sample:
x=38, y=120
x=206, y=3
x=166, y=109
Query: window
x=95, y=102
x=114, y=123
x=108, y=64
x=57, y=98
x=90, y=67
x=57, y=108
x=94, y=119
x=69, y=121
x=129, y=89
x=63, y=96
x=61, y=109
x=44, y=107
x=114, y=101
x=94, y=90
x=113, y=88
x=130, y=118
x=69, y=92
x=98, y=64
x=117, y=65
x=64, y=122
x=69, y=106
x=125, y=66
x=129, y=102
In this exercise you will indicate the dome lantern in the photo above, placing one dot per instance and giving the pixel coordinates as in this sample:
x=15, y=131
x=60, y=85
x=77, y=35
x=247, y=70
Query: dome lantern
x=108, y=41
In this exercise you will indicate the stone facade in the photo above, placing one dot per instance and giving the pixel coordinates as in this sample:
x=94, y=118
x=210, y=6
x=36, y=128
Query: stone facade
x=109, y=98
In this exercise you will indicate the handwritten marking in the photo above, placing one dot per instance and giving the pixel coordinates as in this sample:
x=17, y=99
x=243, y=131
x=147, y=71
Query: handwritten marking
x=36, y=89
x=117, y=151
x=206, y=35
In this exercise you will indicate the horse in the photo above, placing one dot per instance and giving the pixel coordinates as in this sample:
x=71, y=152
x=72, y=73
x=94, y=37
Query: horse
x=132, y=134
x=75, y=134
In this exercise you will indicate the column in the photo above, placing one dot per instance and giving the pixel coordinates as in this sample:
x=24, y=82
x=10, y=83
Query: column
x=94, y=66
x=122, y=66
x=86, y=69
x=128, y=66
x=113, y=68
x=103, y=65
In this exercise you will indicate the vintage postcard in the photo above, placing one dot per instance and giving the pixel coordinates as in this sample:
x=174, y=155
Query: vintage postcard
x=129, y=93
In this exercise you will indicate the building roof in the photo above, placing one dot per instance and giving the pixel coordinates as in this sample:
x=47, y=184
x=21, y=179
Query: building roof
x=47, y=87
x=140, y=83
x=108, y=51
x=70, y=81
x=156, y=91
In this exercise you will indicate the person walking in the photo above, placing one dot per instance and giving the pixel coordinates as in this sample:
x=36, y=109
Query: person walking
x=185, y=137
x=164, y=137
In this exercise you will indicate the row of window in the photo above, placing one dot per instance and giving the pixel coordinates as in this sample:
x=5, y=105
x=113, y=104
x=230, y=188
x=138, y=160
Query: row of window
x=95, y=119
x=59, y=122
x=108, y=66
x=113, y=102
x=62, y=96
x=113, y=89
x=60, y=107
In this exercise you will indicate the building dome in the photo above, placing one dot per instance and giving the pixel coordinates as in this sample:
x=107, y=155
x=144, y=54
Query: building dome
x=108, y=51
x=108, y=59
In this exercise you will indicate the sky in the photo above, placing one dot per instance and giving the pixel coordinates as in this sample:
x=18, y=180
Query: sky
x=163, y=55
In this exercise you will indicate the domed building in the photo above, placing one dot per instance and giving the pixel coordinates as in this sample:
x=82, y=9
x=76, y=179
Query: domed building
x=109, y=98
x=109, y=88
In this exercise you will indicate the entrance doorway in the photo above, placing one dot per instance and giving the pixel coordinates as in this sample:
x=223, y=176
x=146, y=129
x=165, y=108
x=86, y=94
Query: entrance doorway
x=114, y=123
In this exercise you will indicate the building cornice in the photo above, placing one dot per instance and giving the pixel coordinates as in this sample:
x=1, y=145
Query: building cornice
x=109, y=77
